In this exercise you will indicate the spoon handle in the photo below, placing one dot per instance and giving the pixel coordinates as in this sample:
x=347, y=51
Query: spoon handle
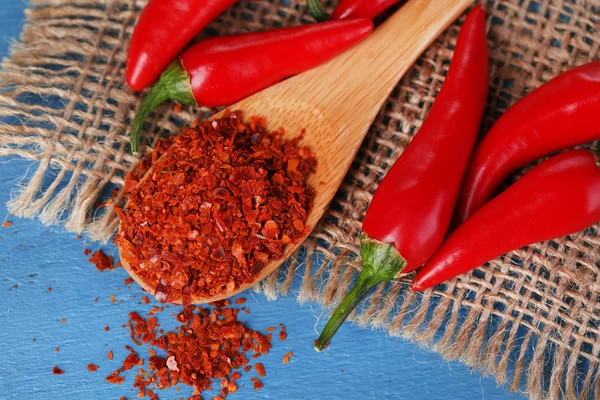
x=360, y=80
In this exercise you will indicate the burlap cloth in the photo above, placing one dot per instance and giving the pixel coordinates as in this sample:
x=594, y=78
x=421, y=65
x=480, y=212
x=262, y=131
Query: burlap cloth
x=531, y=318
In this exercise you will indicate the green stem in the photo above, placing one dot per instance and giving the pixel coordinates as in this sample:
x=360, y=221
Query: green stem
x=173, y=84
x=314, y=7
x=381, y=263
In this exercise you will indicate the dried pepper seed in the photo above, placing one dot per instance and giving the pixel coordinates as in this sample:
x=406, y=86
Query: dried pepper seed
x=260, y=368
x=113, y=298
x=92, y=367
x=212, y=212
x=101, y=260
x=271, y=329
x=110, y=355
x=57, y=371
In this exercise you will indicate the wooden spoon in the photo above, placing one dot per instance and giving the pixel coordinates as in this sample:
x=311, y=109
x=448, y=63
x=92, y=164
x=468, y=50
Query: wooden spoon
x=337, y=103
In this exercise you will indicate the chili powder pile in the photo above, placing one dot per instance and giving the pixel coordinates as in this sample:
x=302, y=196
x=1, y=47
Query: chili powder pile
x=222, y=202
x=208, y=345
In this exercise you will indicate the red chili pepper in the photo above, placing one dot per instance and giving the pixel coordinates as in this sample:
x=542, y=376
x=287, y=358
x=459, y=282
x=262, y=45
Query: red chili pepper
x=223, y=70
x=163, y=30
x=558, y=115
x=557, y=198
x=412, y=208
x=351, y=8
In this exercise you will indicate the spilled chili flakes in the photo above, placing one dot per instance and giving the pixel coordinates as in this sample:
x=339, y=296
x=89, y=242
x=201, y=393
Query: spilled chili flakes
x=128, y=281
x=145, y=299
x=49, y=289
x=271, y=329
x=209, y=344
x=110, y=355
x=241, y=300
x=57, y=371
x=6, y=224
x=101, y=260
x=215, y=208
x=63, y=320
x=107, y=328
x=92, y=367
x=87, y=252
x=56, y=349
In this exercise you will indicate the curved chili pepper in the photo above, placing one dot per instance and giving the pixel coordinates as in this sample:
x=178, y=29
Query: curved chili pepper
x=165, y=27
x=351, y=8
x=223, y=70
x=412, y=208
x=563, y=113
x=557, y=198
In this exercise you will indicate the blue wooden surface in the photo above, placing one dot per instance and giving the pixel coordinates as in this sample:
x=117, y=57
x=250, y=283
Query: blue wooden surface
x=361, y=364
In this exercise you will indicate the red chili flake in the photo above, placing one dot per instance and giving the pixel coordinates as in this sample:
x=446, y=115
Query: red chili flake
x=287, y=357
x=34, y=339
x=101, y=260
x=271, y=329
x=241, y=300
x=232, y=387
x=247, y=368
x=216, y=212
x=113, y=298
x=57, y=371
x=92, y=367
x=282, y=333
x=257, y=384
x=128, y=281
x=87, y=252
x=56, y=349
x=110, y=355
x=63, y=320
x=122, y=398
x=6, y=224
x=107, y=328
x=260, y=368
x=235, y=376
x=145, y=299
x=49, y=289
x=115, y=379
x=96, y=299
x=78, y=237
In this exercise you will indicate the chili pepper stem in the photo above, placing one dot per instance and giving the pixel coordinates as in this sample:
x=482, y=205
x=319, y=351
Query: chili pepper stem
x=315, y=9
x=381, y=263
x=173, y=84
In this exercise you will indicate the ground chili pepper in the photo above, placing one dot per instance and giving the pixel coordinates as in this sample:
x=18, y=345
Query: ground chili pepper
x=209, y=344
x=216, y=208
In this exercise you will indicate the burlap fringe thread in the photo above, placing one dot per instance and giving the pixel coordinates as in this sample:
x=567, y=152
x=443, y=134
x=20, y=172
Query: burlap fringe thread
x=531, y=318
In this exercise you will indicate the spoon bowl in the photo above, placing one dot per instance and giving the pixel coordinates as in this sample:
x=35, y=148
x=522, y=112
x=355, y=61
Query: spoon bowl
x=337, y=102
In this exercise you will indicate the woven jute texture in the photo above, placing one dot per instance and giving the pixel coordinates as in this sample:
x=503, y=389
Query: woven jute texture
x=531, y=318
